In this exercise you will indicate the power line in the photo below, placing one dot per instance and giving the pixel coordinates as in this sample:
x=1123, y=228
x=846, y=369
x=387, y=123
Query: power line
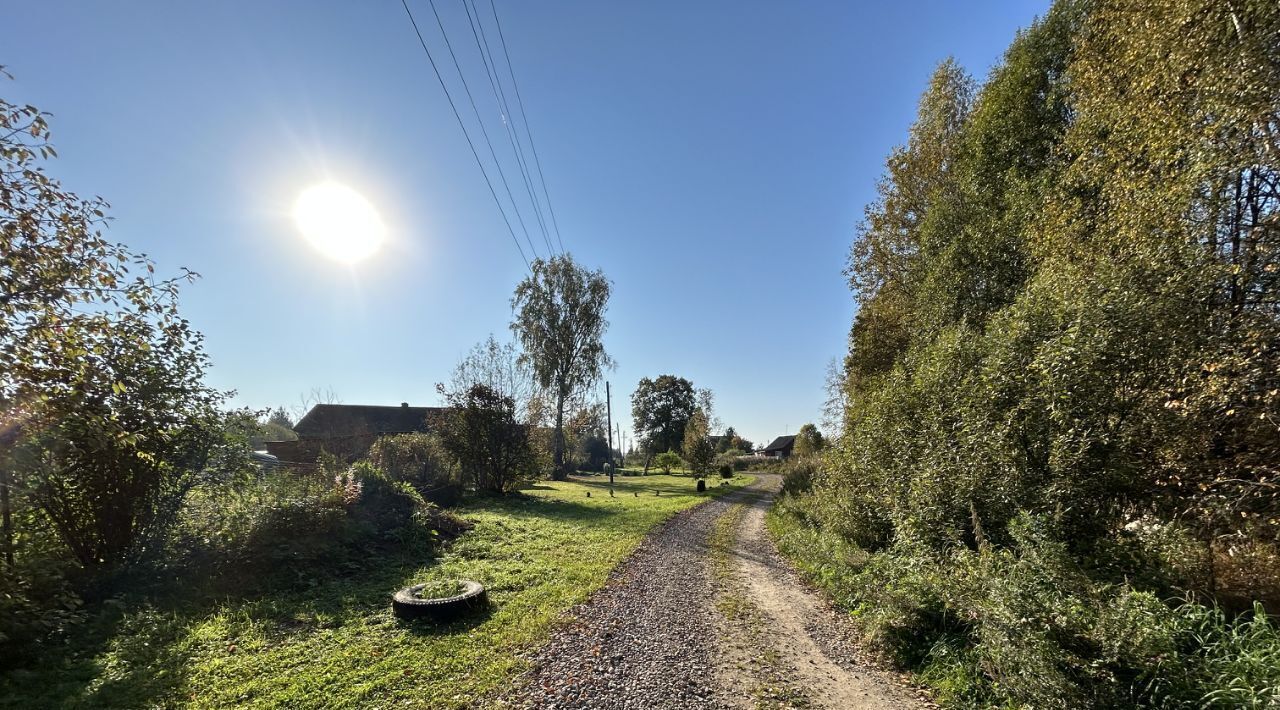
x=525, y=117
x=465, y=134
x=500, y=96
x=484, y=131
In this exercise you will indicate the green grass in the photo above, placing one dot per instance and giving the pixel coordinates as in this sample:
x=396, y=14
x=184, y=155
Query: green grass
x=334, y=642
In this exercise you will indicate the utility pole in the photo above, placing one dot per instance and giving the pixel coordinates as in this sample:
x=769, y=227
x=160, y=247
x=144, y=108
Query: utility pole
x=608, y=413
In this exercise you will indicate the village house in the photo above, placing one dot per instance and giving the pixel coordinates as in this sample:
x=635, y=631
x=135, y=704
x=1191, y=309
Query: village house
x=348, y=430
x=781, y=447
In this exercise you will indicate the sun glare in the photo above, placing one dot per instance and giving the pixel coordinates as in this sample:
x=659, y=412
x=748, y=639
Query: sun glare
x=339, y=222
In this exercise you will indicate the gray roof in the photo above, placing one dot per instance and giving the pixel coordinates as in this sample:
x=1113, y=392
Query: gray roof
x=330, y=420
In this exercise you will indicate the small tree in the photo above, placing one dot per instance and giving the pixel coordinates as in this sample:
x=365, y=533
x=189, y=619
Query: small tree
x=809, y=441
x=698, y=451
x=135, y=431
x=492, y=448
x=500, y=367
x=667, y=460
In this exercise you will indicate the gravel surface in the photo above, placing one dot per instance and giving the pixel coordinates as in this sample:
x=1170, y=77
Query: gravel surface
x=654, y=638
x=646, y=639
x=810, y=645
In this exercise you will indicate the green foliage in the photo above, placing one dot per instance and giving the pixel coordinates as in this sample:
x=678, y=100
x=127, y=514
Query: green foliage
x=1063, y=384
x=491, y=447
x=560, y=320
x=660, y=408
x=798, y=473
x=698, y=451
x=667, y=461
x=1025, y=626
x=809, y=441
x=37, y=601
x=421, y=460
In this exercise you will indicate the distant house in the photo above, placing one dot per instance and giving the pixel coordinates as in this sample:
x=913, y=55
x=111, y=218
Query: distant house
x=781, y=447
x=348, y=430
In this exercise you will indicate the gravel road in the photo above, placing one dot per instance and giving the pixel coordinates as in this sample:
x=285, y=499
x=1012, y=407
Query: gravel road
x=705, y=616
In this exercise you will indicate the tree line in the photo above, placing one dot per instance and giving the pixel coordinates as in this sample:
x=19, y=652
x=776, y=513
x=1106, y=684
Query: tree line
x=1061, y=403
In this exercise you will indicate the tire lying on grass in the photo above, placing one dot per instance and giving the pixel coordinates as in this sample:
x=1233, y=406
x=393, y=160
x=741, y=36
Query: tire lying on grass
x=407, y=604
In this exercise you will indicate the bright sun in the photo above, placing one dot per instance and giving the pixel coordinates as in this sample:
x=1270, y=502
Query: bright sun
x=339, y=222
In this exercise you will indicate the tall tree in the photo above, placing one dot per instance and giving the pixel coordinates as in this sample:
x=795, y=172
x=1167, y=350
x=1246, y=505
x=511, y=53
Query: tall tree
x=882, y=267
x=660, y=408
x=837, y=397
x=560, y=320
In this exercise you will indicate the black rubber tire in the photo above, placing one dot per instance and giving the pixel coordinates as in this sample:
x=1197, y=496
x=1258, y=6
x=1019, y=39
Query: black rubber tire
x=408, y=605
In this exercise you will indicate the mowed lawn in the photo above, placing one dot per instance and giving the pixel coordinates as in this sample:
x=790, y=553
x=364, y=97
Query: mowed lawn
x=334, y=642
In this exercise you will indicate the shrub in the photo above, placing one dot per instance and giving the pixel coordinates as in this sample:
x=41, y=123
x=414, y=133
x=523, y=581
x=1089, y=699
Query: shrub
x=726, y=470
x=667, y=461
x=384, y=505
x=422, y=461
x=798, y=473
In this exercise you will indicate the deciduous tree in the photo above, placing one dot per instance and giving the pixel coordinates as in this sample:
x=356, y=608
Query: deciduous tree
x=660, y=408
x=560, y=320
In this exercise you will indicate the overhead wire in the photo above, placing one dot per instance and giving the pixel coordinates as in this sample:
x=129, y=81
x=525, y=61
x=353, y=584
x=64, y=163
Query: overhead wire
x=484, y=131
x=474, y=153
x=500, y=97
x=525, y=119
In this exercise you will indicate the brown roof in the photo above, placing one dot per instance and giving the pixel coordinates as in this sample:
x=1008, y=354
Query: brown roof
x=330, y=420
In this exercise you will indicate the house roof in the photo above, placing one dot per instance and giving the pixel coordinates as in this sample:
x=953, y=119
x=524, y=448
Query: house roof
x=780, y=443
x=329, y=420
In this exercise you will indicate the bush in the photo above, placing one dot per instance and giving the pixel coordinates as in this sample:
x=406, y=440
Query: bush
x=1026, y=626
x=420, y=460
x=726, y=470
x=302, y=523
x=667, y=461
x=491, y=447
x=798, y=473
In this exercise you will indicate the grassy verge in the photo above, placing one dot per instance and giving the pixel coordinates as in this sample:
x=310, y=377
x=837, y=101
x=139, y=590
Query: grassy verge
x=334, y=643
x=1026, y=628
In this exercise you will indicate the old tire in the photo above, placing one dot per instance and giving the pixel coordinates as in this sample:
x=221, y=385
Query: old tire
x=408, y=605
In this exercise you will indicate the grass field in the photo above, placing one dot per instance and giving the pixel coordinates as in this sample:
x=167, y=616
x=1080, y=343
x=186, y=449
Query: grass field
x=334, y=642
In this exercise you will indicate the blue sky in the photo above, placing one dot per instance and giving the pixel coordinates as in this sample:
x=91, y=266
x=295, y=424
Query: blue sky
x=711, y=157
